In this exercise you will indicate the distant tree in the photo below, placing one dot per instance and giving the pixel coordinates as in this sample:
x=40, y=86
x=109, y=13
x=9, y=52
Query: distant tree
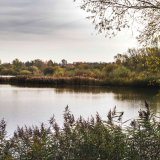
x=6, y=65
x=56, y=68
x=110, y=67
x=18, y=65
x=50, y=63
x=86, y=66
x=0, y=62
x=25, y=72
x=8, y=72
x=70, y=66
x=55, y=64
x=40, y=64
x=99, y=66
x=43, y=66
x=63, y=66
x=64, y=62
x=118, y=58
x=34, y=70
x=1, y=68
x=27, y=64
x=79, y=65
x=48, y=70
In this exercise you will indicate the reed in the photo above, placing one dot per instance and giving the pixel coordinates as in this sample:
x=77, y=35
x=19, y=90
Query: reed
x=91, y=139
x=4, y=79
x=76, y=80
x=147, y=82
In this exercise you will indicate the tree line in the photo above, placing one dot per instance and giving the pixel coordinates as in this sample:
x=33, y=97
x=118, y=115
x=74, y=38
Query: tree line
x=134, y=67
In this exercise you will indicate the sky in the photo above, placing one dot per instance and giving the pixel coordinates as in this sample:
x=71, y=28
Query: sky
x=56, y=30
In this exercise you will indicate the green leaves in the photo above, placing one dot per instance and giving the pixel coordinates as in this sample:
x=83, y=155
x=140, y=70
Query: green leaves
x=18, y=65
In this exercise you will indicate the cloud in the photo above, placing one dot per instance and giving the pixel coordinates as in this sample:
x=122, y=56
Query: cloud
x=36, y=17
x=29, y=27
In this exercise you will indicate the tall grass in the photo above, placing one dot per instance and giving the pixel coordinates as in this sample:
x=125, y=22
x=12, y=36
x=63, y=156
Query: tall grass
x=4, y=79
x=76, y=80
x=132, y=81
x=93, y=138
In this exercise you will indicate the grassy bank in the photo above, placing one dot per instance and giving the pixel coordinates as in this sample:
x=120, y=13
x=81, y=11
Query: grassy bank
x=85, y=139
x=148, y=81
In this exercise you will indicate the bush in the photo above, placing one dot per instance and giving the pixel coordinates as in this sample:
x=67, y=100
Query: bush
x=80, y=72
x=110, y=67
x=8, y=72
x=25, y=72
x=59, y=72
x=122, y=71
x=56, y=68
x=48, y=70
x=99, y=74
x=34, y=70
x=1, y=68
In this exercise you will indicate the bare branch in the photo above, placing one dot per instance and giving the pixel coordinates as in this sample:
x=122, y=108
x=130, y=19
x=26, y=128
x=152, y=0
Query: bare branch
x=110, y=16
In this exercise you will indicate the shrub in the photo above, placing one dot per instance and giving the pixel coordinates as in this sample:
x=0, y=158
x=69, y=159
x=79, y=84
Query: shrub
x=33, y=69
x=1, y=68
x=79, y=72
x=122, y=71
x=25, y=72
x=110, y=67
x=8, y=72
x=63, y=66
x=56, y=68
x=48, y=70
x=59, y=72
x=99, y=74
x=70, y=66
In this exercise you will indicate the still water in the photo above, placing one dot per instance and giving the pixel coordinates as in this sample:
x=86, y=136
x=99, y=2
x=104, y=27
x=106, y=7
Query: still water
x=32, y=105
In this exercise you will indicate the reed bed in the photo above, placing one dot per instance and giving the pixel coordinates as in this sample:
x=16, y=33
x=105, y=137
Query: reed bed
x=91, y=139
x=146, y=82
x=4, y=79
x=77, y=80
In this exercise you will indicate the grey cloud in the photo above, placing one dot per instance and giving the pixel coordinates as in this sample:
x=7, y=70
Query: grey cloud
x=36, y=16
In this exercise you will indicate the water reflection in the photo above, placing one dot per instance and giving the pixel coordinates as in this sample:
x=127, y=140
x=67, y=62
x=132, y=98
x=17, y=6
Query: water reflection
x=33, y=104
x=120, y=93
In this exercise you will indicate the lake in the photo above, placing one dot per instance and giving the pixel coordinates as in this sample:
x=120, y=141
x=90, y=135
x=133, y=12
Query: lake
x=32, y=105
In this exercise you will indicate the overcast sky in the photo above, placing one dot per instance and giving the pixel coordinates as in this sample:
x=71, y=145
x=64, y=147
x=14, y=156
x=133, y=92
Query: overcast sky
x=56, y=30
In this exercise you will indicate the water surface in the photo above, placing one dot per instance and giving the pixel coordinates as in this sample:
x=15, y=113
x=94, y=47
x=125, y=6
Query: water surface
x=32, y=105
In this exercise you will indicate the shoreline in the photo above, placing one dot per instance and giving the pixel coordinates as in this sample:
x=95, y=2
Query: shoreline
x=77, y=80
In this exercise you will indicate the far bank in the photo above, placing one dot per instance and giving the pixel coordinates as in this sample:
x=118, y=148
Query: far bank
x=147, y=82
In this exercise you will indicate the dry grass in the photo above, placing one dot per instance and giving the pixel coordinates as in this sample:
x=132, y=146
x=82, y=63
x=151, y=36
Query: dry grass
x=76, y=80
x=82, y=139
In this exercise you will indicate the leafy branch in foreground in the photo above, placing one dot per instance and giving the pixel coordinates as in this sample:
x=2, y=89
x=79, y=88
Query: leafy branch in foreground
x=85, y=139
x=111, y=16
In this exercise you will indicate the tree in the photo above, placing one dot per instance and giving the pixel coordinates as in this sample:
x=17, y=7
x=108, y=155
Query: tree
x=27, y=64
x=50, y=63
x=18, y=65
x=0, y=62
x=33, y=69
x=48, y=70
x=111, y=16
x=64, y=62
x=70, y=66
x=79, y=65
x=38, y=63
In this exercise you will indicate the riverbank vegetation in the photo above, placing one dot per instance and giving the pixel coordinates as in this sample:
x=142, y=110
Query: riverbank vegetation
x=134, y=68
x=93, y=138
